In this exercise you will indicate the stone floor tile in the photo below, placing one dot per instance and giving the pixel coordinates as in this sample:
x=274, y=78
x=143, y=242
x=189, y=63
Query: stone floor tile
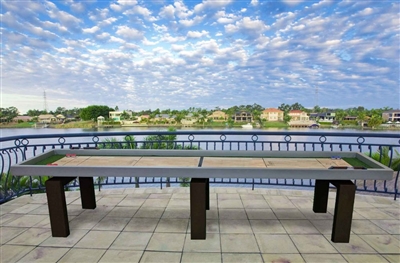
x=228, y=196
x=32, y=237
x=179, y=203
x=8, y=218
x=366, y=227
x=323, y=226
x=121, y=256
x=302, y=203
x=162, y=242
x=355, y=246
x=299, y=227
x=26, y=221
x=396, y=236
x=392, y=258
x=241, y=258
x=284, y=258
x=324, y=258
x=131, y=202
x=235, y=226
x=131, y=241
x=212, y=226
x=156, y=203
x=364, y=258
x=188, y=257
x=277, y=202
x=42, y=210
x=172, y=225
x=258, y=204
x=382, y=243
x=230, y=203
x=13, y=253
x=211, y=244
x=373, y=213
x=119, y=211
x=252, y=196
x=25, y=209
x=213, y=213
x=267, y=226
x=110, y=200
x=160, y=196
x=390, y=226
x=85, y=221
x=98, y=239
x=232, y=214
x=74, y=210
x=8, y=207
x=184, y=196
x=180, y=213
x=100, y=209
x=394, y=212
x=154, y=257
x=247, y=244
x=311, y=215
x=276, y=244
x=260, y=214
x=149, y=212
x=290, y=213
x=312, y=244
x=141, y=225
x=112, y=223
x=70, y=241
x=44, y=254
x=8, y=233
x=46, y=223
x=82, y=255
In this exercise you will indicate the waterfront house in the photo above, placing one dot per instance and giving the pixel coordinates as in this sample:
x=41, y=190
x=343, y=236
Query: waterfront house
x=272, y=114
x=391, y=115
x=116, y=115
x=163, y=118
x=242, y=116
x=189, y=119
x=22, y=118
x=298, y=115
x=218, y=116
x=46, y=118
x=323, y=117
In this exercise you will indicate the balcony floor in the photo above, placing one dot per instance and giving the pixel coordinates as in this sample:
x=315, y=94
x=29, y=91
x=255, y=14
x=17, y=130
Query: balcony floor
x=152, y=225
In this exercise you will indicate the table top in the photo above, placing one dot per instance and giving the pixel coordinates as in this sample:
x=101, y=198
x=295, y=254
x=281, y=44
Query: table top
x=204, y=164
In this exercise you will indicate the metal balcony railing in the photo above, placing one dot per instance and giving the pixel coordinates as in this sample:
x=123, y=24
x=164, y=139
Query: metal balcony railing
x=384, y=147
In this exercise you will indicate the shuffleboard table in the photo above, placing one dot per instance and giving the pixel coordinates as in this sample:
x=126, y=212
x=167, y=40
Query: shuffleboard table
x=336, y=168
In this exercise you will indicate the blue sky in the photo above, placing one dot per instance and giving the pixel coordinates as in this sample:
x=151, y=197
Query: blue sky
x=180, y=54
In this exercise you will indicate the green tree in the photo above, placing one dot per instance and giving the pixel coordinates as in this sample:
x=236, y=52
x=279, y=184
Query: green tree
x=375, y=121
x=94, y=111
x=8, y=114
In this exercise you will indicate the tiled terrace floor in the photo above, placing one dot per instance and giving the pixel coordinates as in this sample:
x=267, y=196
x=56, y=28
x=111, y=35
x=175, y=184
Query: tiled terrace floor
x=152, y=225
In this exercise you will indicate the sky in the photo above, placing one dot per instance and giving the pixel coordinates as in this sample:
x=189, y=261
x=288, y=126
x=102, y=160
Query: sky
x=151, y=54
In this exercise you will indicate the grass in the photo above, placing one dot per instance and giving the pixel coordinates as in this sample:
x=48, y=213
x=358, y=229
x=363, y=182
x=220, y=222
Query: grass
x=356, y=162
x=274, y=124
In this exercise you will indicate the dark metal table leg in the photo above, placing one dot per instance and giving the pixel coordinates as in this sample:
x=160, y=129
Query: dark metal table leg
x=208, y=194
x=88, y=197
x=345, y=195
x=321, y=194
x=198, y=208
x=57, y=205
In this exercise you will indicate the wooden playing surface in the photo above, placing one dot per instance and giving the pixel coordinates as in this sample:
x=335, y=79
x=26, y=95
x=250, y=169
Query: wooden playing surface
x=194, y=162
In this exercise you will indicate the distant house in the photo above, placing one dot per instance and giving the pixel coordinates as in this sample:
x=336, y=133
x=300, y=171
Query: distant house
x=60, y=118
x=391, y=115
x=298, y=115
x=143, y=117
x=164, y=117
x=218, y=116
x=272, y=114
x=189, y=119
x=116, y=115
x=46, y=118
x=242, y=116
x=22, y=118
x=324, y=117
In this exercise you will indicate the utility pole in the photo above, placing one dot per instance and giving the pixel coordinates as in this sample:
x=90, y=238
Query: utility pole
x=316, y=95
x=45, y=102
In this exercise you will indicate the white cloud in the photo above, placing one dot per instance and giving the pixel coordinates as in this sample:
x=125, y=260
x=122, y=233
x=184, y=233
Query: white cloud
x=209, y=4
x=254, y=2
x=129, y=33
x=197, y=34
x=91, y=30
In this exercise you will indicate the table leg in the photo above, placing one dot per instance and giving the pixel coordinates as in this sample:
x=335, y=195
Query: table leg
x=57, y=205
x=345, y=195
x=321, y=194
x=208, y=194
x=198, y=201
x=88, y=197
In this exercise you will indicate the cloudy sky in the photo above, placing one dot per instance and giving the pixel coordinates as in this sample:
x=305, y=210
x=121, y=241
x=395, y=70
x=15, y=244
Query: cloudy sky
x=180, y=54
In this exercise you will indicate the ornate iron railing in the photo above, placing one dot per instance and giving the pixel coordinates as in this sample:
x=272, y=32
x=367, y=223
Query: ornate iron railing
x=384, y=146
